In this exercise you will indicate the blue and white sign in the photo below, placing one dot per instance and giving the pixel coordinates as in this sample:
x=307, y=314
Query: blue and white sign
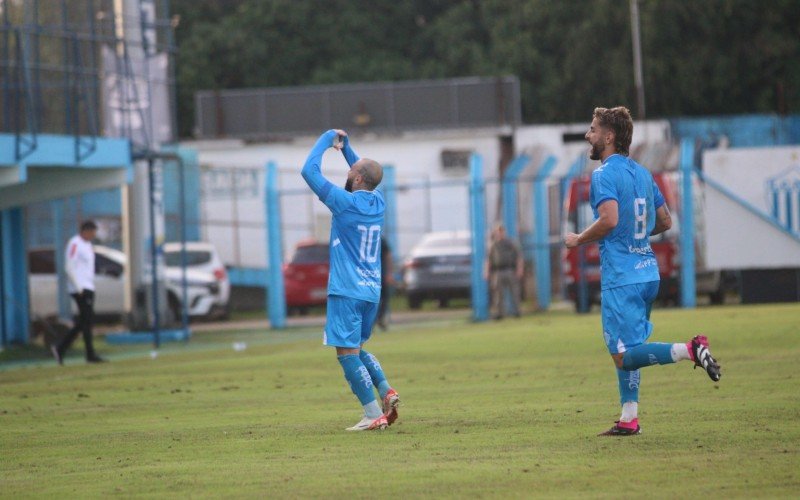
x=752, y=207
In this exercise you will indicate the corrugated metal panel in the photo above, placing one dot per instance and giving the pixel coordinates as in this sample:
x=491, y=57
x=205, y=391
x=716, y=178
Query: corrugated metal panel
x=385, y=106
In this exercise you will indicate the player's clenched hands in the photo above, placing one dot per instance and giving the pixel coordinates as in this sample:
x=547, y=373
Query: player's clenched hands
x=338, y=142
x=571, y=240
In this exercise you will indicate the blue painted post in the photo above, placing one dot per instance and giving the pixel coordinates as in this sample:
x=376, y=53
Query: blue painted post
x=688, y=291
x=509, y=183
x=541, y=231
x=184, y=257
x=276, y=294
x=14, y=277
x=151, y=179
x=480, y=292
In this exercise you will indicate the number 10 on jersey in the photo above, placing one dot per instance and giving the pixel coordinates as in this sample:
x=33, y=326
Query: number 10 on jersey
x=370, y=243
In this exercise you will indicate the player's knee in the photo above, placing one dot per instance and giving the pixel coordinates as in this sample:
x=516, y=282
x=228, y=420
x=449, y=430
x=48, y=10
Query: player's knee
x=345, y=351
x=618, y=359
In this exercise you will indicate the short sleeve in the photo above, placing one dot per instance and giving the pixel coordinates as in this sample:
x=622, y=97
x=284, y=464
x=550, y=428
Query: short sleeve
x=337, y=199
x=603, y=188
x=658, y=198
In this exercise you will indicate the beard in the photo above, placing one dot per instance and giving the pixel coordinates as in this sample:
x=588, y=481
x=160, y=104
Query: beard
x=348, y=185
x=596, y=152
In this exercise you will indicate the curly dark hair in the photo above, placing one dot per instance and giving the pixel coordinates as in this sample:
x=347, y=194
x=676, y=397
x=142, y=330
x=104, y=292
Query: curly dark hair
x=620, y=122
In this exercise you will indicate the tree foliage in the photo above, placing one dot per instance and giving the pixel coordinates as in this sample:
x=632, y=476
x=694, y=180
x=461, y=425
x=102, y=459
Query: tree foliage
x=700, y=57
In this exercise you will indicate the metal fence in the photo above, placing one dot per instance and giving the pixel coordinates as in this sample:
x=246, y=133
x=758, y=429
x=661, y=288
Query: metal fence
x=68, y=67
x=385, y=106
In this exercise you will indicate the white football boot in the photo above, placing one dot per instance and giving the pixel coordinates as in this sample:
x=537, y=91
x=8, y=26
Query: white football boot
x=370, y=424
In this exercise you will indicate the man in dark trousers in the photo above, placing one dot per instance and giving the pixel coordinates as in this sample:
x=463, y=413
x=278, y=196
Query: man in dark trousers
x=387, y=282
x=80, y=284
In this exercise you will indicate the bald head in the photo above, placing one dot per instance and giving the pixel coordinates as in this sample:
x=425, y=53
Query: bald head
x=366, y=174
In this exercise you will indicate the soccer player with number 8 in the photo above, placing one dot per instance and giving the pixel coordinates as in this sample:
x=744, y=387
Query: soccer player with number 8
x=354, y=283
x=628, y=208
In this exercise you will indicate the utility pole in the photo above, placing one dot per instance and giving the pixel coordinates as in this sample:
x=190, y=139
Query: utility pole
x=638, y=79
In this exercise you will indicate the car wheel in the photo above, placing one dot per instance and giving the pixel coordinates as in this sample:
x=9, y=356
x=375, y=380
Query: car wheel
x=443, y=303
x=414, y=302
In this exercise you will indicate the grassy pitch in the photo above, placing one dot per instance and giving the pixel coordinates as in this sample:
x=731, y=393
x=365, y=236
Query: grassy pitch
x=507, y=409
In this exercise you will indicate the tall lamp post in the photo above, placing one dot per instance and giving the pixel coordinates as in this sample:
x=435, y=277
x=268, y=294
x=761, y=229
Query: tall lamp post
x=638, y=79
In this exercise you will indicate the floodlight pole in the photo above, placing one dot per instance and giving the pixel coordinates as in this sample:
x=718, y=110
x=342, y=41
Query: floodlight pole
x=638, y=78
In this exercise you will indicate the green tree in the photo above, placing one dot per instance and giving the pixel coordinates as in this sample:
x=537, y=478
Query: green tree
x=709, y=57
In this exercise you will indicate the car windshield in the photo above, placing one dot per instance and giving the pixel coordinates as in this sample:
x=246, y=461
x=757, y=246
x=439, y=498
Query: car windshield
x=311, y=254
x=193, y=258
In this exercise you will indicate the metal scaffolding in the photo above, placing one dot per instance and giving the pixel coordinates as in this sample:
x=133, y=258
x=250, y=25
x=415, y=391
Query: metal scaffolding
x=67, y=67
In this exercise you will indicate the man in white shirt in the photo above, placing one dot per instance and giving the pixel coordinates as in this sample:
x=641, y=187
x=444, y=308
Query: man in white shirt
x=79, y=261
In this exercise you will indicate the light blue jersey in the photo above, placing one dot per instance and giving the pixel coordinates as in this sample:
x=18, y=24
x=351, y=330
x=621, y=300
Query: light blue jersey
x=625, y=253
x=355, y=243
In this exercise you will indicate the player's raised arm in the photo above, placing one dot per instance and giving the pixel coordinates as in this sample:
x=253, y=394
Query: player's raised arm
x=312, y=172
x=349, y=155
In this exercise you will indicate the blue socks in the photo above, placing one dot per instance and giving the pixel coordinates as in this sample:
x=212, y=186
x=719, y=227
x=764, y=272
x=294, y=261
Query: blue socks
x=358, y=377
x=375, y=372
x=652, y=353
x=628, y=386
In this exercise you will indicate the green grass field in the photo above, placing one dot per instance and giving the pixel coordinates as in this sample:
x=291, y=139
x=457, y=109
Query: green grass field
x=506, y=409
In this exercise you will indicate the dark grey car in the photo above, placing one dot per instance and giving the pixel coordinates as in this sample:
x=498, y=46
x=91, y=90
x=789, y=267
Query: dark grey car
x=439, y=268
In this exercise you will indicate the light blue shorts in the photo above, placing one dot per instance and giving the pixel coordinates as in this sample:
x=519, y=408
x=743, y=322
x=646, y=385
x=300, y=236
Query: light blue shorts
x=349, y=321
x=626, y=315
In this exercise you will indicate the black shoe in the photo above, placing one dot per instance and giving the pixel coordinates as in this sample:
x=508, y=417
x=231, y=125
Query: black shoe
x=621, y=431
x=57, y=354
x=94, y=358
x=702, y=357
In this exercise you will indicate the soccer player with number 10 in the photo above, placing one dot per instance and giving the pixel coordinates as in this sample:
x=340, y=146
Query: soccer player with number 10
x=354, y=284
